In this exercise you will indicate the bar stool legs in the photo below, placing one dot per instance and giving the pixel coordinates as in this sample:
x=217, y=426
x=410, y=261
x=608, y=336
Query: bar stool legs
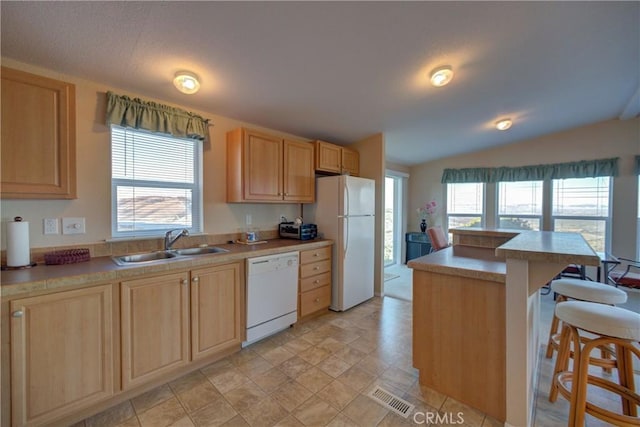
x=616, y=327
x=581, y=290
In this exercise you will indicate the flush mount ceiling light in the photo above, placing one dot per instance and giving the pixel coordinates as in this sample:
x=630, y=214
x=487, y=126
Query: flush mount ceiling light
x=186, y=82
x=503, y=124
x=441, y=76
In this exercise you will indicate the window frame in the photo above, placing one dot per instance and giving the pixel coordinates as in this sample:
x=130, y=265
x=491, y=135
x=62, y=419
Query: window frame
x=195, y=187
x=606, y=219
x=482, y=214
x=540, y=217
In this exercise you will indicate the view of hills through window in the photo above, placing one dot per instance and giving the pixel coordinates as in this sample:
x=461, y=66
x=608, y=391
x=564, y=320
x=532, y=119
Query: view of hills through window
x=578, y=205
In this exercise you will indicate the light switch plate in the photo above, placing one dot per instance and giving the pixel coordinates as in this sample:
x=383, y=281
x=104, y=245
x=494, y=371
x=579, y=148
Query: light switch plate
x=73, y=226
x=50, y=226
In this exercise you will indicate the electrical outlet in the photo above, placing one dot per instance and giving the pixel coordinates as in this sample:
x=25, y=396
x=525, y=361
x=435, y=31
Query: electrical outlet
x=50, y=226
x=247, y=219
x=73, y=226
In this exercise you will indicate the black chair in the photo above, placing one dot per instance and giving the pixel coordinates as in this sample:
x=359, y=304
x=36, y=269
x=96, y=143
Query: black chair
x=629, y=277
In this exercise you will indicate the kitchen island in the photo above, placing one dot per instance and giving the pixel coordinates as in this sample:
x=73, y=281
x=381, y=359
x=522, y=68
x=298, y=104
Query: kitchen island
x=475, y=317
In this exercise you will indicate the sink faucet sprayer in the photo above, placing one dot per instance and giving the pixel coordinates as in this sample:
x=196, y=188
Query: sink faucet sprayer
x=168, y=241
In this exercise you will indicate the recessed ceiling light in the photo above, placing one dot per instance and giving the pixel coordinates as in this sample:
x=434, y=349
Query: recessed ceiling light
x=441, y=76
x=503, y=124
x=186, y=82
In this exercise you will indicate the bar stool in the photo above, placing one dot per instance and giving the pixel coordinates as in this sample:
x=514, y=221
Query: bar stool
x=582, y=290
x=612, y=326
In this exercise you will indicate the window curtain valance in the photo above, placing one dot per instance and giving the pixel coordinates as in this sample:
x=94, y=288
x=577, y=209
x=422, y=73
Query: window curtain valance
x=138, y=114
x=580, y=169
x=458, y=176
x=637, y=165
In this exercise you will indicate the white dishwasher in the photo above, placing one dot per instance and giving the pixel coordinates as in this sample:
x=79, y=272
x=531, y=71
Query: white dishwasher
x=272, y=294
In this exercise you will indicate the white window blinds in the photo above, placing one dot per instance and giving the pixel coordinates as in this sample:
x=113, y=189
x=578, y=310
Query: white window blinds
x=155, y=183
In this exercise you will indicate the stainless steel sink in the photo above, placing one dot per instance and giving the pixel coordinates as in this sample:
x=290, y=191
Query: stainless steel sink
x=144, y=257
x=200, y=251
x=164, y=255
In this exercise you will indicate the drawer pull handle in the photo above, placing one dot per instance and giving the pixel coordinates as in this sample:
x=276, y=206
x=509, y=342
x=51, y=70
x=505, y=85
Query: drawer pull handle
x=316, y=268
x=316, y=281
x=317, y=300
x=183, y=281
x=316, y=254
x=17, y=313
x=195, y=279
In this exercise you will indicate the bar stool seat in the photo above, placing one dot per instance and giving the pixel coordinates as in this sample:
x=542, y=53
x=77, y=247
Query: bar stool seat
x=586, y=290
x=613, y=326
x=582, y=290
x=601, y=319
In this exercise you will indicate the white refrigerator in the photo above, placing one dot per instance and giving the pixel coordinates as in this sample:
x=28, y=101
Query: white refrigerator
x=344, y=212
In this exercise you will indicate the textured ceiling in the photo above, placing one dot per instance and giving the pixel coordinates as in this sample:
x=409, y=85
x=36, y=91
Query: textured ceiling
x=341, y=71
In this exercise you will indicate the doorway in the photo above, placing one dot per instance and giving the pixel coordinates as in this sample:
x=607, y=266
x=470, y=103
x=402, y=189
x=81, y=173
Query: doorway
x=397, y=277
x=392, y=219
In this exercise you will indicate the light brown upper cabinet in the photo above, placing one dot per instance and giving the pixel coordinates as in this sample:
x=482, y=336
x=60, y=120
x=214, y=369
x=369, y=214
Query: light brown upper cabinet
x=350, y=161
x=331, y=158
x=38, y=148
x=267, y=168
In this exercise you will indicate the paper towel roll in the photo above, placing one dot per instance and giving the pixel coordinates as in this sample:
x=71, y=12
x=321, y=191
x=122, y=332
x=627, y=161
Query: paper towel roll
x=18, y=243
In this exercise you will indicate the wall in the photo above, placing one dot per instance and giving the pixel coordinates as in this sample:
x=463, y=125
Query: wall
x=613, y=138
x=372, y=165
x=94, y=176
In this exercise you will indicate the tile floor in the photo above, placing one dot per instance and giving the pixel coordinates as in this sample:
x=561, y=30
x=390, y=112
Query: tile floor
x=319, y=373
x=400, y=286
x=314, y=374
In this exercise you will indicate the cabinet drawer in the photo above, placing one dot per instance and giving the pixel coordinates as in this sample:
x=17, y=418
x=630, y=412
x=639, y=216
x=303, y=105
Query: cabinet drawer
x=315, y=300
x=315, y=268
x=314, y=282
x=314, y=255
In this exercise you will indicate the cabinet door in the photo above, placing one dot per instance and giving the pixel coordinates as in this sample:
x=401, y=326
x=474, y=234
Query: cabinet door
x=155, y=327
x=350, y=162
x=299, y=177
x=328, y=157
x=38, y=137
x=217, y=299
x=61, y=353
x=262, y=167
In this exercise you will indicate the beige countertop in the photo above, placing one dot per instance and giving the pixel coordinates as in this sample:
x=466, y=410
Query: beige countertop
x=549, y=246
x=483, y=231
x=465, y=261
x=100, y=269
x=489, y=264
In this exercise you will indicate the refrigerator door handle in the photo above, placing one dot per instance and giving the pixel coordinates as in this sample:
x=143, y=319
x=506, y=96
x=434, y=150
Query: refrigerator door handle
x=347, y=211
x=345, y=238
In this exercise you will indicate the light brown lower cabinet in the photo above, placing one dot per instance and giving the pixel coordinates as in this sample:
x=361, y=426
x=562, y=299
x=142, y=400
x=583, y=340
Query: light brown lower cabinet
x=62, y=353
x=74, y=350
x=315, y=281
x=217, y=298
x=155, y=327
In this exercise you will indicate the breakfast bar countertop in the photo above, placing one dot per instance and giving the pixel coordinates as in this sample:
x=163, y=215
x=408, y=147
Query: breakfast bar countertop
x=464, y=261
x=549, y=246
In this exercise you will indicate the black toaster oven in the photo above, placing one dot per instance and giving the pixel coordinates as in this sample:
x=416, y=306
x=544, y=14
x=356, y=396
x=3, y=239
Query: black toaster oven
x=291, y=230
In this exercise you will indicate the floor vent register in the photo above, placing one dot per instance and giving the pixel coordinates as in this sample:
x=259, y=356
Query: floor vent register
x=389, y=401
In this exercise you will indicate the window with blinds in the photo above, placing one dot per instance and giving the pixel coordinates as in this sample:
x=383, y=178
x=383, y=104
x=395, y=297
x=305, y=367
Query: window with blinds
x=520, y=205
x=581, y=205
x=465, y=205
x=155, y=183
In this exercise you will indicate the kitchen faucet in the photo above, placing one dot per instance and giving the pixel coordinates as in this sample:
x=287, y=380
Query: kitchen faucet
x=168, y=241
